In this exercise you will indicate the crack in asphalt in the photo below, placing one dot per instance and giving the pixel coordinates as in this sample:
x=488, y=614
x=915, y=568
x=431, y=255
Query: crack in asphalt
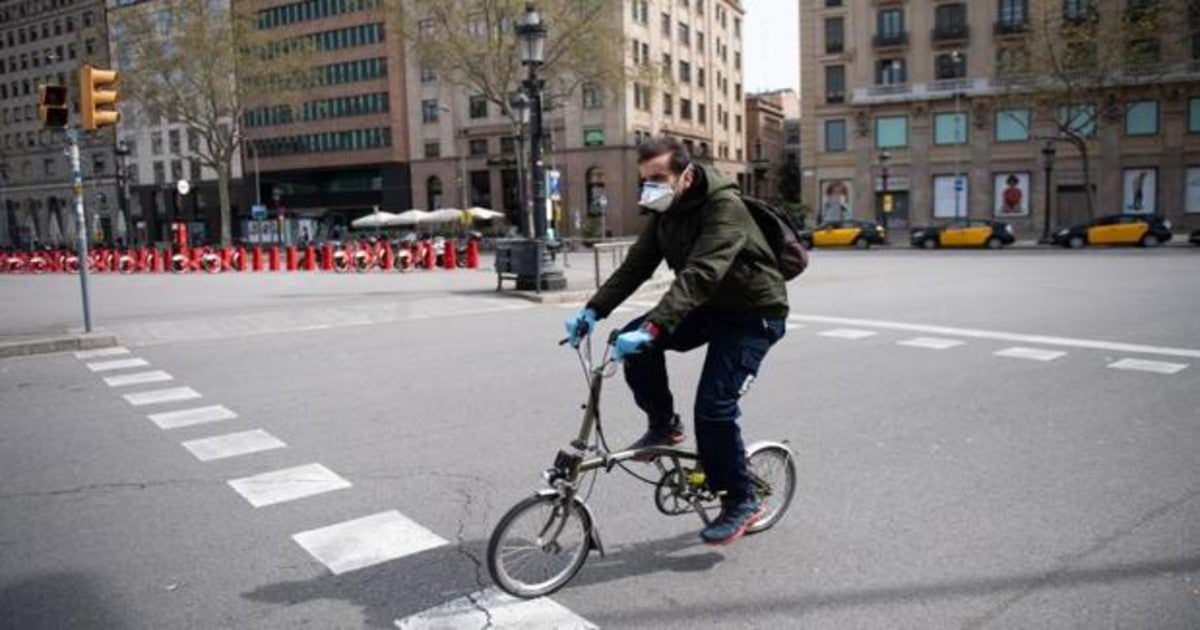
x=111, y=486
x=1066, y=562
x=461, y=547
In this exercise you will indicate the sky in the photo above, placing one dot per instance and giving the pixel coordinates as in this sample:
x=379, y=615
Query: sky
x=772, y=45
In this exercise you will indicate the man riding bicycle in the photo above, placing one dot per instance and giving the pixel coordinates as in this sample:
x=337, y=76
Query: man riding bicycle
x=728, y=293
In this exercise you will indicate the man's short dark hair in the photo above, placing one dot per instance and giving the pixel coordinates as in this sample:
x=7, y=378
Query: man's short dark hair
x=680, y=157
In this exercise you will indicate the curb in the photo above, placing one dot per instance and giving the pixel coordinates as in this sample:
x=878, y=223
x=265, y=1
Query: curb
x=57, y=343
x=561, y=297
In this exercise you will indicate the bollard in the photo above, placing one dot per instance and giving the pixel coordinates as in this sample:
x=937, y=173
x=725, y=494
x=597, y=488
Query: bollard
x=258, y=258
x=291, y=257
x=226, y=259
x=472, y=254
x=197, y=256
x=310, y=258
x=327, y=257
x=430, y=257
x=387, y=261
x=241, y=259
x=160, y=260
x=448, y=257
x=274, y=258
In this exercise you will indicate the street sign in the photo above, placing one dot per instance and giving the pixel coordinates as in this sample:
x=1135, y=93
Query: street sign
x=183, y=186
x=258, y=212
x=958, y=184
x=553, y=177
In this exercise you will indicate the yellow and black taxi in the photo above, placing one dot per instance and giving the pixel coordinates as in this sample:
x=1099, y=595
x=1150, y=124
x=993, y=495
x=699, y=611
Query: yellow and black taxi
x=1146, y=230
x=1194, y=239
x=964, y=233
x=847, y=233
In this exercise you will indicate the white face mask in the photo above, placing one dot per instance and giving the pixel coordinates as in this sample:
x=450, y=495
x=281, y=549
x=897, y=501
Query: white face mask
x=658, y=196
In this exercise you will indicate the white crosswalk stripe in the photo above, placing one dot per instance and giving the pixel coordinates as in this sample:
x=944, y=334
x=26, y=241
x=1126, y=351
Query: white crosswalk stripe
x=189, y=417
x=101, y=352
x=159, y=396
x=1032, y=354
x=119, y=364
x=504, y=612
x=288, y=484
x=138, y=378
x=367, y=541
x=931, y=343
x=1142, y=365
x=848, y=333
x=233, y=444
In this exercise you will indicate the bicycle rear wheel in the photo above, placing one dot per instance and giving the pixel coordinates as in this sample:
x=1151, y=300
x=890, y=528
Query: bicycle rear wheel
x=773, y=471
x=539, y=545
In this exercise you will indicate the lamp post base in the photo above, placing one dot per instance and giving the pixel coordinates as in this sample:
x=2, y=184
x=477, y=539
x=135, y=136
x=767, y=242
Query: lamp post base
x=552, y=280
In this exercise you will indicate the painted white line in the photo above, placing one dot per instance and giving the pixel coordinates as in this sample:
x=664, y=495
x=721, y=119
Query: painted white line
x=138, y=378
x=233, y=444
x=1033, y=354
x=848, y=333
x=157, y=396
x=288, y=484
x=1004, y=336
x=1141, y=365
x=932, y=343
x=794, y=326
x=189, y=417
x=506, y=612
x=367, y=541
x=119, y=364
x=101, y=352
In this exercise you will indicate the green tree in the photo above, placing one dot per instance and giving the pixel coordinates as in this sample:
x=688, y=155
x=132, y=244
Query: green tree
x=204, y=63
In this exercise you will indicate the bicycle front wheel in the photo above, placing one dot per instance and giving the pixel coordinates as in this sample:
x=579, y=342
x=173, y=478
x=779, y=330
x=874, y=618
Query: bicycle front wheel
x=539, y=545
x=773, y=473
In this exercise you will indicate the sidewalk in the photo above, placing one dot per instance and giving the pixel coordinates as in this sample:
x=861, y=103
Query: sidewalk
x=26, y=345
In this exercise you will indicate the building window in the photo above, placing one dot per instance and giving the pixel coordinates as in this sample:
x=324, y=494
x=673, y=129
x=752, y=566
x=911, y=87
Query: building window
x=950, y=21
x=891, y=132
x=890, y=72
x=1011, y=61
x=478, y=146
x=700, y=77
x=685, y=109
x=1078, y=10
x=891, y=25
x=702, y=113
x=507, y=145
x=835, y=84
x=950, y=128
x=1141, y=118
x=428, y=75
x=835, y=135
x=1012, y=125
x=949, y=67
x=1079, y=119
x=194, y=170
x=156, y=143
x=666, y=25
x=478, y=106
x=737, y=123
x=173, y=142
x=685, y=34
x=700, y=41
x=429, y=111
x=1013, y=13
x=160, y=173
x=685, y=71
x=835, y=35
x=433, y=150
x=667, y=105
x=1194, y=115
x=592, y=96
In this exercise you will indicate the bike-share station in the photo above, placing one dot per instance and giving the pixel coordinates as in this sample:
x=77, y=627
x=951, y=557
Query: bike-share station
x=544, y=540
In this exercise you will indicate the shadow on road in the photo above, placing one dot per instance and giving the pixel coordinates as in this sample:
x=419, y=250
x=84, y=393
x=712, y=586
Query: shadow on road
x=57, y=600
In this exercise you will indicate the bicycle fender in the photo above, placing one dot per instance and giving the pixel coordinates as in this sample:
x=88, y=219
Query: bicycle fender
x=593, y=531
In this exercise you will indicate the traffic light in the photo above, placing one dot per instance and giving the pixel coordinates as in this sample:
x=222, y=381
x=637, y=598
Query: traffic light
x=52, y=106
x=98, y=98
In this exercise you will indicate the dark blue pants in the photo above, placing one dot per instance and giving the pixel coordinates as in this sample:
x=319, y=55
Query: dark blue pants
x=737, y=345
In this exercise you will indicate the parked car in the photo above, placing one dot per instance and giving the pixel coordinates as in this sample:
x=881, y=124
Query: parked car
x=964, y=233
x=1146, y=230
x=860, y=234
x=1194, y=239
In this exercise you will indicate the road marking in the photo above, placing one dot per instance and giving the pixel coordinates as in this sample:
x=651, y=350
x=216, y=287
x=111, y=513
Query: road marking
x=1141, y=365
x=848, y=333
x=157, y=396
x=504, y=611
x=794, y=326
x=367, y=541
x=233, y=444
x=288, y=484
x=102, y=352
x=189, y=417
x=1004, y=336
x=138, y=378
x=1032, y=354
x=119, y=364
x=932, y=343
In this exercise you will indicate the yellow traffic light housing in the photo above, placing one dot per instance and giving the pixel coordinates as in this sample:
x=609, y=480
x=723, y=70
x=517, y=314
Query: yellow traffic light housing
x=98, y=98
x=52, y=106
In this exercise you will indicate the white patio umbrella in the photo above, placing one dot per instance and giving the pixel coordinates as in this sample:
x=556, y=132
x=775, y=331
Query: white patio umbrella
x=409, y=217
x=374, y=220
x=444, y=215
x=483, y=214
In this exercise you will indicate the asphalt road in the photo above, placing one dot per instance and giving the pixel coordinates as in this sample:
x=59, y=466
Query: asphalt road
x=943, y=485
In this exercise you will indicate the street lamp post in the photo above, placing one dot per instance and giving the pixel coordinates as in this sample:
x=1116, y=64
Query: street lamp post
x=520, y=105
x=884, y=200
x=122, y=152
x=1048, y=154
x=960, y=133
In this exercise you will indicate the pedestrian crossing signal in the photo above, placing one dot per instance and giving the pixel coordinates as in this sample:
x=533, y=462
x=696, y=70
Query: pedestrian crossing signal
x=98, y=98
x=52, y=106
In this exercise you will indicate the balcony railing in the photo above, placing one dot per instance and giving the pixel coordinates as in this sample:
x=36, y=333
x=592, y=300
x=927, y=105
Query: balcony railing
x=835, y=97
x=950, y=32
x=952, y=85
x=1011, y=27
x=889, y=89
x=887, y=40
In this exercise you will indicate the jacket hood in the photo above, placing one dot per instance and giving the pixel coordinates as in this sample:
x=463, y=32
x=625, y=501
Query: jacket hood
x=708, y=183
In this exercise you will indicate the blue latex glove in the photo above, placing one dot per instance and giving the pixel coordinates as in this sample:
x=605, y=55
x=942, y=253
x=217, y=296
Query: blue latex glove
x=580, y=324
x=631, y=342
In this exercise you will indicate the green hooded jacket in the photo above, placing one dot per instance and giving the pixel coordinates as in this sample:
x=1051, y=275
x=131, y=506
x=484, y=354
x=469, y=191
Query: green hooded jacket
x=720, y=258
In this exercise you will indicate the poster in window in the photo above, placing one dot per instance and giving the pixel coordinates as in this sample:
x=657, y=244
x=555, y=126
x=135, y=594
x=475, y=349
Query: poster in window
x=1012, y=195
x=835, y=200
x=947, y=203
x=1140, y=187
x=1193, y=189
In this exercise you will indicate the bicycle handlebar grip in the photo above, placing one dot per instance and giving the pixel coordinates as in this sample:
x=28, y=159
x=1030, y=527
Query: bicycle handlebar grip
x=564, y=341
